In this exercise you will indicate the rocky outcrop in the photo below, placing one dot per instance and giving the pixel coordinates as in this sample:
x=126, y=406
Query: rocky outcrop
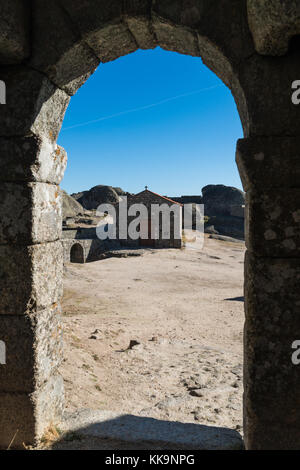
x=219, y=199
x=227, y=225
x=120, y=191
x=224, y=209
x=70, y=207
x=97, y=195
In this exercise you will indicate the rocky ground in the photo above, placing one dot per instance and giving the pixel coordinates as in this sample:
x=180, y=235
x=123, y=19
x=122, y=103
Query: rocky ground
x=158, y=335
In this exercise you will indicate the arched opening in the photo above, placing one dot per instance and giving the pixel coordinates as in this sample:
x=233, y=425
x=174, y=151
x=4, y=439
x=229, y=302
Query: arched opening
x=146, y=301
x=68, y=67
x=77, y=253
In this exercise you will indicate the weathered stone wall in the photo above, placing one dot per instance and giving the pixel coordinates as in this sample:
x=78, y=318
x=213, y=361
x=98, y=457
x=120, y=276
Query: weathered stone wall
x=49, y=49
x=31, y=390
x=92, y=248
x=268, y=167
x=88, y=233
x=67, y=246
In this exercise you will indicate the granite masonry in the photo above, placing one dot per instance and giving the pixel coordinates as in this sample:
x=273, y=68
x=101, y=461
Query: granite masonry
x=47, y=51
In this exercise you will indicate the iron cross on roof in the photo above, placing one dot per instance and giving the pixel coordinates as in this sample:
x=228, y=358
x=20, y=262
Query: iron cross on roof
x=146, y=187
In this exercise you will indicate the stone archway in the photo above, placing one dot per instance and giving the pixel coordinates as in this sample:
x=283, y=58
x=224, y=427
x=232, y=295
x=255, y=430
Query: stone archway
x=42, y=67
x=77, y=253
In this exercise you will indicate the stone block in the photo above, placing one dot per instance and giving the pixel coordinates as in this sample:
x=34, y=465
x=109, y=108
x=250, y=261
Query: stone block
x=30, y=213
x=102, y=27
x=30, y=277
x=214, y=59
x=271, y=378
x=141, y=29
x=273, y=223
x=267, y=85
x=226, y=25
x=90, y=15
x=64, y=57
x=112, y=42
x=138, y=18
x=25, y=417
x=273, y=24
x=33, y=349
x=269, y=162
x=33, y=104
x=175, y=38
x=262, y=435
x=31, y=159
x=273, y=297
x=186, y=13
x=49, y=404
x=223, y=23
x=14, y=31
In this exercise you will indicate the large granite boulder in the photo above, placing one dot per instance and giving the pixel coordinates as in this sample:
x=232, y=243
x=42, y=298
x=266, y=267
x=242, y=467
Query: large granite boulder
x=70, y=207
x=97, y=195
x=227, y=225
x=218, y=199
x=120, y=191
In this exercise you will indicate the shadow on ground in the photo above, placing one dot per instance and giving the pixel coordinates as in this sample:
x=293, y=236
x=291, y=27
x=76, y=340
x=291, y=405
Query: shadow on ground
x=90, y=429
x=236, y=299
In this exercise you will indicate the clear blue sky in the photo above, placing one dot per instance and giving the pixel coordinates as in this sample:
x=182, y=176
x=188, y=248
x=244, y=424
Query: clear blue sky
x=146, y=133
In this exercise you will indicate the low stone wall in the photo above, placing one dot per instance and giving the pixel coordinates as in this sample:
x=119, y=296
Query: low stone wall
x=67, y=246
x=80, y=233
x=92, y=249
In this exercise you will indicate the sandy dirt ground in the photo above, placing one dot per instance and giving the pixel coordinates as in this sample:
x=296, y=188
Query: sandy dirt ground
x=184, y=308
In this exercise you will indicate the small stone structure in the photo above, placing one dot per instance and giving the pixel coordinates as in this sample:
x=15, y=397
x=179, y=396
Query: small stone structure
x=77, y=254
x=81, y=244
x=89, y=247
x=47, y=51
x=148, y=226
x=68, y=250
